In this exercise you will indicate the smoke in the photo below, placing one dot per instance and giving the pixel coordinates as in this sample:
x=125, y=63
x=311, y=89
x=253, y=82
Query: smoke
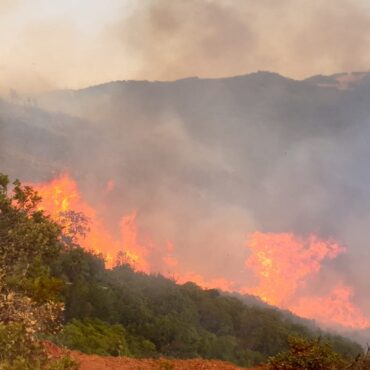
x=206, y=163
x=7, y=6
x=203, y=164
x=171, y=39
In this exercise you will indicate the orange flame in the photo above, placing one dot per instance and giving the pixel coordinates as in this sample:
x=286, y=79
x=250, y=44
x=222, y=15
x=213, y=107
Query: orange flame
x=336, y=308
x=62, y=195
x=282, y=263
x=169, y=260
x=137, y=254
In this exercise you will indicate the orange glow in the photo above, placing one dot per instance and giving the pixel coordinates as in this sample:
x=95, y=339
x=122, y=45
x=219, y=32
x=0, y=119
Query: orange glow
x=283, y=264
x=110, y=186
x=62, y=195
x=136, y=253
x=333, y=309
x=169, y=260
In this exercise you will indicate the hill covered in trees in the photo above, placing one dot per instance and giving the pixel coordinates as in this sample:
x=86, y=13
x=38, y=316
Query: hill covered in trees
x=161, y=317
x=225, y=157
x=47, y=280
x=155, y=316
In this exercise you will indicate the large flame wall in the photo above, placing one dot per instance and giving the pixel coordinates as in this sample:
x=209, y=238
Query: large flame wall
x=284, y=266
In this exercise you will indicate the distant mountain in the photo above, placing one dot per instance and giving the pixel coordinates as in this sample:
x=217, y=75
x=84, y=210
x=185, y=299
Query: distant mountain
x=341, y=81
x=250, y=133
x=36, y=144
x=206, y=161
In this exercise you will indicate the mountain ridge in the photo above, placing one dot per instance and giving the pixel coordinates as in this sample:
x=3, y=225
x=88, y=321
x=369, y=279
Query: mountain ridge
x=329, y=77
x=281, y=156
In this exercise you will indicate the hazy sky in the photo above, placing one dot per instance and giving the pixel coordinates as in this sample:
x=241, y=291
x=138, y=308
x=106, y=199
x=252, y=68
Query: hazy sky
x=47, y=44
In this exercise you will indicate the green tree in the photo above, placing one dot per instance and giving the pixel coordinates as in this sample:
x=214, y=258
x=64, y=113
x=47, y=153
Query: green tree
x=29, y=241
x=95, y=336
x=29, y=295
x=308, y=355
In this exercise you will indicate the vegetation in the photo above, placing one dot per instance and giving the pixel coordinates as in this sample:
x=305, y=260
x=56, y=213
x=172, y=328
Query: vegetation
x=30, y=302
x=308, y=355
x=45, y=278
x=315, y=355
x=95, y=336
x=159, y=317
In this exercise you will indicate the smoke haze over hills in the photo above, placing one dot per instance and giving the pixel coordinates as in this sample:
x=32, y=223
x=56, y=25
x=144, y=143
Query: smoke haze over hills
x=206, y=163
x=70, y=44
x=256, y=183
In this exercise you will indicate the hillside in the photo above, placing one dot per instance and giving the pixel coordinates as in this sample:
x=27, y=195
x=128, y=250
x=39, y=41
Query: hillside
x=206, y=162
x=160, y=317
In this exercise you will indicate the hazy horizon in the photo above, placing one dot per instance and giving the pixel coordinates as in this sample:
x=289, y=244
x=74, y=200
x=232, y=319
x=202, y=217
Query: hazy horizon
x=48, y=45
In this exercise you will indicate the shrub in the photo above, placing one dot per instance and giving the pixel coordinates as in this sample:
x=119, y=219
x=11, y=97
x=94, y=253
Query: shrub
x=94, y=336
x=308, y=355
x=29, y=302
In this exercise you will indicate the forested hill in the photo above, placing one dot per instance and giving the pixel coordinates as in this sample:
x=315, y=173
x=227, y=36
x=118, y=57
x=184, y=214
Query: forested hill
x=120, y=311
x=238, y=153
x=156, y=316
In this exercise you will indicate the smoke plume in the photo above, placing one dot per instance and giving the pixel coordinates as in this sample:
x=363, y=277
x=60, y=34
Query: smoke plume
x=171, y=39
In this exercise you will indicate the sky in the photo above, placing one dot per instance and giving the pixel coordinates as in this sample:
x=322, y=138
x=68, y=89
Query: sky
x=53, y=44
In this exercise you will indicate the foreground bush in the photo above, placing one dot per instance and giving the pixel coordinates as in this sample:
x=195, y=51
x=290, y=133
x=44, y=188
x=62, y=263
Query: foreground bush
x=315, y=355
x=94, y=336
x=29, y=296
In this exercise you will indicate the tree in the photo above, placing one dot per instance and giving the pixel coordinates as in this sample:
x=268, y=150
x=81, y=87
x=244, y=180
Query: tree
x=29, y=240
x=95, y=336
x=308, y=355
x=29, y=295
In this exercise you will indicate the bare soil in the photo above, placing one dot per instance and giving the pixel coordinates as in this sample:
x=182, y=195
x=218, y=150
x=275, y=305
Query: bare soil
x=94, y=362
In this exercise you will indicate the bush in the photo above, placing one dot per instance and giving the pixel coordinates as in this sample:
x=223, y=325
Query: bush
x=29, y=296
x=94, y=337
x=18, y=351
x=308, y=355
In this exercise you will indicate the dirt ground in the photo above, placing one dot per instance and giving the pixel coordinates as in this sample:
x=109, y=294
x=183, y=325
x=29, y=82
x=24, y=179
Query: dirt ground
x=94, y=362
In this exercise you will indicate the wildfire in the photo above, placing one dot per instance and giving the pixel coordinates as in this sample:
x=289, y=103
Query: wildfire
x=283, y=264
x=337, y=307
x=136, y=253
x=169, y=260
x=62, y=195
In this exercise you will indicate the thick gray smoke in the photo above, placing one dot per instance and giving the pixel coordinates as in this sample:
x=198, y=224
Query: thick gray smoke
x=174, y=38
x=206, y=162
x=47, y=45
